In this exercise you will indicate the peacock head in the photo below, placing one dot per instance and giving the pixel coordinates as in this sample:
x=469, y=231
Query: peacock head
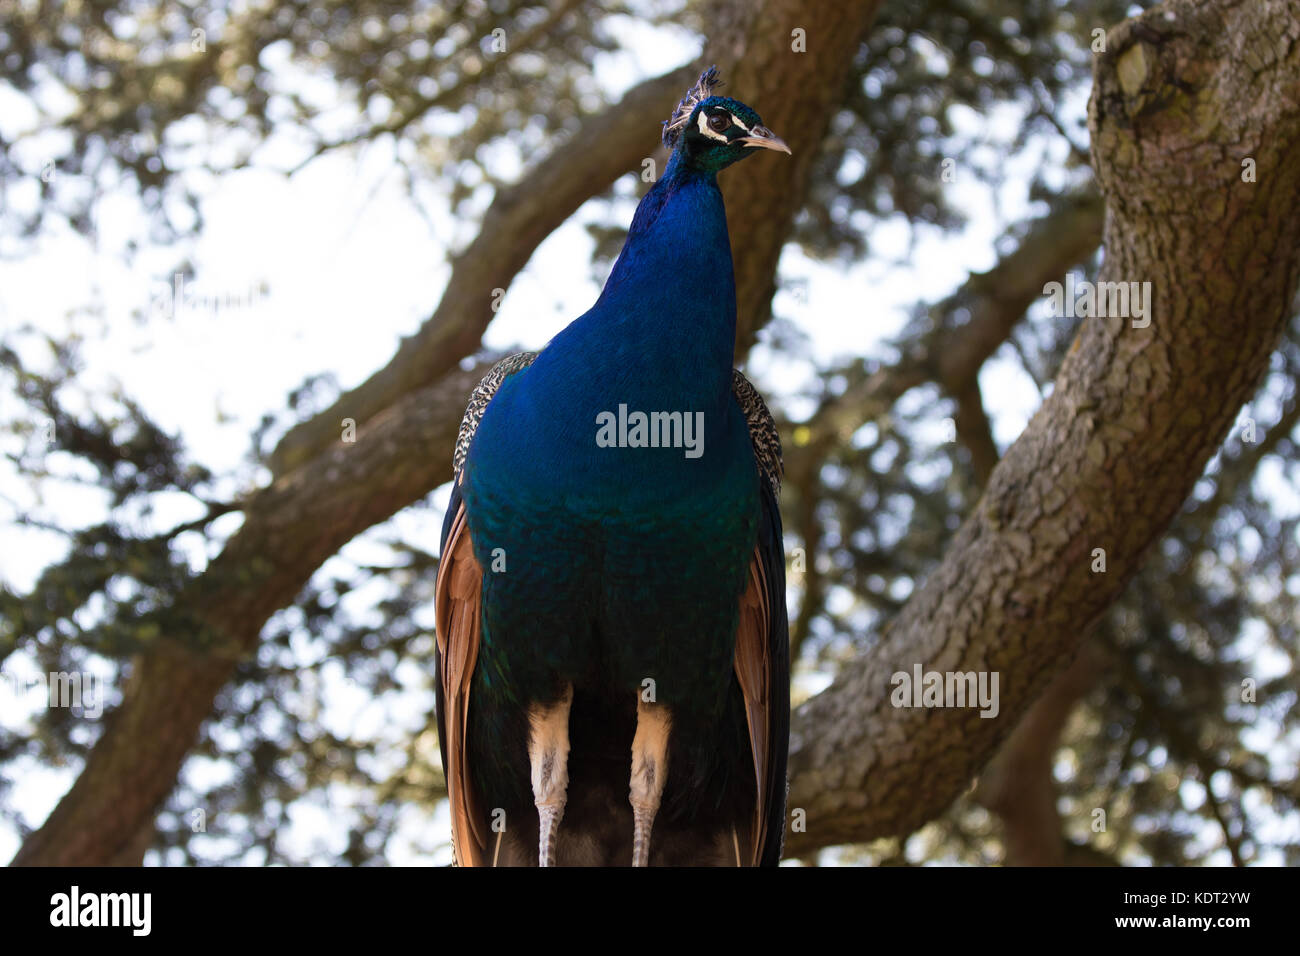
x=711, y=132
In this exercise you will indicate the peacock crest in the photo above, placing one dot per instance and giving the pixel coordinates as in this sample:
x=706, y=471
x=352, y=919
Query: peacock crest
x=697, y=94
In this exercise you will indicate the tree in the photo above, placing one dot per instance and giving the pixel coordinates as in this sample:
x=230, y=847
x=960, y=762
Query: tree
x=944, y=555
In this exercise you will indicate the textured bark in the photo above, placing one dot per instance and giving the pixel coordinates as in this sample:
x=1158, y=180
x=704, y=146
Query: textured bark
x=325, y=493
x=1183, y=95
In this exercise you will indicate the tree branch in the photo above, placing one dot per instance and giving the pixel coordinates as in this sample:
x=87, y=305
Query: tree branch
x=1135, y=414
x=952, y=357
x=289, y=529
x=518, y=220
x=755, y=47
x=975, y=432
x=424, y=104
x=1018, y=785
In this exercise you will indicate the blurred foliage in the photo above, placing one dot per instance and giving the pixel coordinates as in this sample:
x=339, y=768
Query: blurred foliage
x=328, y=729
x=147, y=89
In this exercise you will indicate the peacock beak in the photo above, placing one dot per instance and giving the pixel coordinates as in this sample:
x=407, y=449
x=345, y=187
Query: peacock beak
x=762, y=136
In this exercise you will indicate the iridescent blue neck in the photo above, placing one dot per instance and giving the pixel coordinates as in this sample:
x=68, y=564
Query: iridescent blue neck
x=672, y=292
x=661, y=338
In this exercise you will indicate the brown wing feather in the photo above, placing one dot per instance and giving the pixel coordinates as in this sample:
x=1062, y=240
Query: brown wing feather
x=762, y=651
x=457, y=619
x=752, y=670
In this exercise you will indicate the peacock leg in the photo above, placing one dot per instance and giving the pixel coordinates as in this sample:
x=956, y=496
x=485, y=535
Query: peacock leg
x=649, y=771
x=548, y=756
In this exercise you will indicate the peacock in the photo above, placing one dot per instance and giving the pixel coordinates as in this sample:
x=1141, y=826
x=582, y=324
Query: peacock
x=612, y=638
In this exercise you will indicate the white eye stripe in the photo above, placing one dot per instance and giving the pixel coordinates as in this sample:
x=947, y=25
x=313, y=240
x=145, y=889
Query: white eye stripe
x=703, y=123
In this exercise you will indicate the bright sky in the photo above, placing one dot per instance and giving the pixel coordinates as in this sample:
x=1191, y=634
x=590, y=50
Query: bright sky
x=326, y=272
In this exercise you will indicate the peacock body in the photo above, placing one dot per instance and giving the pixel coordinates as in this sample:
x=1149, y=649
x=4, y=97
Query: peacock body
x=611, y=609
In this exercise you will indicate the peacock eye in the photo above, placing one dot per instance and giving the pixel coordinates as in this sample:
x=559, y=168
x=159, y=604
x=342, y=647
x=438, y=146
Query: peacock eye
x=719, y=122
